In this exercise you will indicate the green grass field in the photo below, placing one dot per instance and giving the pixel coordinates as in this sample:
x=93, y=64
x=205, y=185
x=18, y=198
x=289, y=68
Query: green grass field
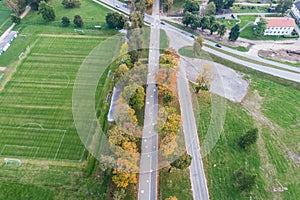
x=278, y=122
x=37, y=102
x=4, y=17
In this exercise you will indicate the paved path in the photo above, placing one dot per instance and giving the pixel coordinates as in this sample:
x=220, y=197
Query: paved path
x=149, y=151
x=197, y=173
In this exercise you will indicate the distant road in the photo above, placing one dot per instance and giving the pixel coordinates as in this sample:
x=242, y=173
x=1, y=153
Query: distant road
x=197, y=173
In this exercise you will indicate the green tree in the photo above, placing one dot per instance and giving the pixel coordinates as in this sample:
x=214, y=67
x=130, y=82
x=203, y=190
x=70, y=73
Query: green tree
x=115, y=20
x=198, y=44
x=182, y=162
x=204, y=23
x=283, y=6
x=234, y=33
x=222, y=4
x=171, y=198
x=188, y=18
x=260, y=27
x=47, y=11
x=210, y=9
x=78, y=21
x=222, y=30
x=71, y=3
x=135, y=96
x=196, y=22
x=244, y=180
x=249, y=138
x=15, y=18
x=21, y=5
x=65, y=21
x=214, y=27
x=191, y=6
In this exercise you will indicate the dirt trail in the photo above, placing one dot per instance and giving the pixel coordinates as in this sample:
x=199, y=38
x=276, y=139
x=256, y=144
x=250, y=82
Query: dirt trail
x=252, y=103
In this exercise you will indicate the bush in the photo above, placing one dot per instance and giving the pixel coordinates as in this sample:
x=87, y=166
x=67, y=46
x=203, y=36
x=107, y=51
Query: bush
x=78, y=21
x=249, y=138
x=65, y=21
x=71, y=3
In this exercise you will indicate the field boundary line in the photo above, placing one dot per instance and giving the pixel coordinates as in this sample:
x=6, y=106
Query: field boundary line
x=29, y=128
x=72, y=36
x=22, y=146
x=58, y=148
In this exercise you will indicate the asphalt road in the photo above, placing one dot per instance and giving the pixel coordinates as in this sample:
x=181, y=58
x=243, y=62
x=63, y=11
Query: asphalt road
x=197, y=173
x=149, y=151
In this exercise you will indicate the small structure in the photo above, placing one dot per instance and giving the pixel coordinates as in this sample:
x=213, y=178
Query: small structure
x=296, y=10
x=114, y=99
x=12, y=162
x=6, y=39
x=280, y=26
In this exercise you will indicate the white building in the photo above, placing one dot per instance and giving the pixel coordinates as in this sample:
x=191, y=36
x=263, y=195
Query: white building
x=279, y=26
x=296, y=10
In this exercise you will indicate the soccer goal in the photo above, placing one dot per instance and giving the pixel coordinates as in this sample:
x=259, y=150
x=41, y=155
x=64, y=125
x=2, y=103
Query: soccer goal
x=12, y=162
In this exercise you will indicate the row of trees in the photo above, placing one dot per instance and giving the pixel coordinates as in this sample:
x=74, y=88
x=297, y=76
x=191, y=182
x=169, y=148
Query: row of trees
x=78, y=22
x=210, y=23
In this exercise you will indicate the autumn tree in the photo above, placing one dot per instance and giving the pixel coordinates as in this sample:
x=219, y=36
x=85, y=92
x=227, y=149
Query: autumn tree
x=169, y=58
x=119, y=194
x=168, y=144
x=122, y=178
x=171, y=198
x=210, y=9
x=47, y=11
x=165, y=94
x=198, y=44
x=124, y=114
x=204, y=78
x=182, y=162
x=249, y=138
x=135, y=96
x=121, y=71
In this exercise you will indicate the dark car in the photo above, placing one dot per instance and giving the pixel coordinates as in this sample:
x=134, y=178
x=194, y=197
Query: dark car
x=162, y=23
x=192, y=36
x=218, y=45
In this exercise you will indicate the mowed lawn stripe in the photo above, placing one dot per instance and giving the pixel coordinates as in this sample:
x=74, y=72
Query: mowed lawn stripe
x=39, y=98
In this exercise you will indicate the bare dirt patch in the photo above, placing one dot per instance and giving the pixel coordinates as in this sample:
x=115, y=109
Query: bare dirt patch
x=285, y=55
x=3, y=69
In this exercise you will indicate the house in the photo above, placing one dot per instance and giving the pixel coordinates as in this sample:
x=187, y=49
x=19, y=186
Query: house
x=279, y=26
x=296, y=10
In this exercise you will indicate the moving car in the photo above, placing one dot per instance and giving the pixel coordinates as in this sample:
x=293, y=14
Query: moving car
x=218, y=45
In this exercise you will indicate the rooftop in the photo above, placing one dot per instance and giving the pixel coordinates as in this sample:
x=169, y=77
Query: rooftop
x=280, y=22
x=297, y=4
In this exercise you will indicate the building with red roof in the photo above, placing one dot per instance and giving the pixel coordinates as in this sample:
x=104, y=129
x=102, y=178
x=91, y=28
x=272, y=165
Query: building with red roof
x=279, y=25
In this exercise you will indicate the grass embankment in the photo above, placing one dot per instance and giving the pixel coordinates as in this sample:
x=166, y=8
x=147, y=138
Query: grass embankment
x=278, y=122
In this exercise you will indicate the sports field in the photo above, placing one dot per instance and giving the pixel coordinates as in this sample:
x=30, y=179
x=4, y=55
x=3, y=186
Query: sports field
x=4, y=17
x=36, y=104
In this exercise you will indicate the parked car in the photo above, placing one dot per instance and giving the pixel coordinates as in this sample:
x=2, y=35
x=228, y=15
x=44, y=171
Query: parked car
x=162, y=23
x=218, y=45
x=192, y=36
